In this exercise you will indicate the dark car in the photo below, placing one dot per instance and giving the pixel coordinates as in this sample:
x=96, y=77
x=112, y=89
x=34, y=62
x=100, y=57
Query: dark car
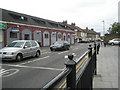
x=83, y=41
x=60, y=45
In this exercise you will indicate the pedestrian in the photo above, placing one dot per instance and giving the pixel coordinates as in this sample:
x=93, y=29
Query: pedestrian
x=98, y=48
x=104, y=44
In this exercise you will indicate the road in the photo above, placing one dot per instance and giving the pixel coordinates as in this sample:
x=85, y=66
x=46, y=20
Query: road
x=36, y=72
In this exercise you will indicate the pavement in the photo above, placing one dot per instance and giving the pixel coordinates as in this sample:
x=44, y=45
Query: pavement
x=107, y=68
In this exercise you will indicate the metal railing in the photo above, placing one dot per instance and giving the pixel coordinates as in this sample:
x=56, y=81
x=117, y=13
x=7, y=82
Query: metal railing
x=79, y=73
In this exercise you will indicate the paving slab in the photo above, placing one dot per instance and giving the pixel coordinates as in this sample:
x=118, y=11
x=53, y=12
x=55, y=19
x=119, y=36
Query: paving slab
x=107, y=68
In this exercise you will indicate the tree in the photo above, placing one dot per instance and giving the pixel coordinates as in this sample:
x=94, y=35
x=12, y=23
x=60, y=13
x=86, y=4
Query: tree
x=115, y=28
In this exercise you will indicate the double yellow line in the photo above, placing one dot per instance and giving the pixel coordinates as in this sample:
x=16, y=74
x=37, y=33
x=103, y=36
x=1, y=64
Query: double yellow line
x=78, y=67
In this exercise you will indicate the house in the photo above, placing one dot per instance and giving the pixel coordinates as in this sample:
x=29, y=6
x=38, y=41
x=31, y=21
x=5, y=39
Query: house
x=18, y=26
x=92, y=35
x=80, y=34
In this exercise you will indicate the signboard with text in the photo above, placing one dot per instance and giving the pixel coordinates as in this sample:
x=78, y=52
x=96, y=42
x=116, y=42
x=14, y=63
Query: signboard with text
x=3, y=25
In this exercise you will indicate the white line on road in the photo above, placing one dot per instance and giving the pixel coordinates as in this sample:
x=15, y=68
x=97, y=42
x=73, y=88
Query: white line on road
x=45, y=53
x=9, y=72
x=22, y=66
x=34, y=60
x=43, y=50
x=76, y=49
x=63, y=52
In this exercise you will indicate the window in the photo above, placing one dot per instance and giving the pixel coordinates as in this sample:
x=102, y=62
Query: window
x=28, y=44
x=27, y=37
x=46, y=35
x=39, y=21
x=68, y=36
x=59, y=35
x=13, y=35
x=53, y=24
x=15, y=16
x=33, y=43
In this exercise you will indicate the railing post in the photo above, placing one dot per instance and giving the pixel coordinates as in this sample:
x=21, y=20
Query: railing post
x=95, y=48
x=71, y=78
x=90, y=53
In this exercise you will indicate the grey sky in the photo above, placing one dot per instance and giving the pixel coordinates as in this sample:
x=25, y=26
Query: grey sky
x=85, y=13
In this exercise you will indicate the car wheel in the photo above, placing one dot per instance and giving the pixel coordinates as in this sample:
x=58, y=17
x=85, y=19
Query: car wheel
x=51, y=49
x=68, y=48
x=37, y=53
x=19, y=57
x=112, y=43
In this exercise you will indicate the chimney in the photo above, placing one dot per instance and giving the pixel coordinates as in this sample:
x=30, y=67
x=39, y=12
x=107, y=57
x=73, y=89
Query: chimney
x=73, y=24
x=65, y=22
x=86, y=28
x=92, y=29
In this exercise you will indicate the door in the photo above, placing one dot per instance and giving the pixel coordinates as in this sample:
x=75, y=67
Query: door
x=37, y=36
x=27, y=50
x=46, y=39
x=26, y=37
x=72, y=39
x=53, y=37
x=69, y=38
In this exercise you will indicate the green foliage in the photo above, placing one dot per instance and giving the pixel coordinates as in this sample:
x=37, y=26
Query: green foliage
x=115, y=28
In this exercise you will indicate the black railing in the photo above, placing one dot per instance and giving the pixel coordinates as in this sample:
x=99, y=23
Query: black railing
x=79, y=73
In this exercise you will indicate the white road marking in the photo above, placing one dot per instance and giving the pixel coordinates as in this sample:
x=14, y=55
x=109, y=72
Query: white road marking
x=63, y=52
x=7, y=73
x=22, y=66
x=34, y=60
x=75, y=48
x=45, y=52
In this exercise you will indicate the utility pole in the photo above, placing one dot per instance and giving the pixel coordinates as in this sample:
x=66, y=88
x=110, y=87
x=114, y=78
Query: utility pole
x=103, y=27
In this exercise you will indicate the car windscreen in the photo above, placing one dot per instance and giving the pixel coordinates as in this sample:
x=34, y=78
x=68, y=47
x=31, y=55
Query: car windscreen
x=16, y=44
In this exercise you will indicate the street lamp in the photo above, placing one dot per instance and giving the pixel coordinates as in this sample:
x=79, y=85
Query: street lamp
x=103, y=27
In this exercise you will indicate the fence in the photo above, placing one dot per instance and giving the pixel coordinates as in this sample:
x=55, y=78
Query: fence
x=77, y=74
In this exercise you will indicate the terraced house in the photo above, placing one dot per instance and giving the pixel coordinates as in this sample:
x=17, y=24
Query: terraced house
x=18, y=26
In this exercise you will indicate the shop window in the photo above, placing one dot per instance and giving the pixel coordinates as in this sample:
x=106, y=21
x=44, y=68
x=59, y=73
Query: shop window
x=68, y=36
x=46, y=35
x=13, y=35
x=64, y=38
x=26, y=37
x=59, y=35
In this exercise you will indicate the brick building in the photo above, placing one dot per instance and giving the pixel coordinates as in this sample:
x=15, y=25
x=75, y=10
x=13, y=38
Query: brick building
x=18, y=26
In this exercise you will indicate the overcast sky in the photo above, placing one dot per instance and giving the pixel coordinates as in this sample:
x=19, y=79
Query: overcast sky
x=85, y=13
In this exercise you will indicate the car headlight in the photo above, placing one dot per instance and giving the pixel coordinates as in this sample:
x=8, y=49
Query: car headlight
x=10, y=53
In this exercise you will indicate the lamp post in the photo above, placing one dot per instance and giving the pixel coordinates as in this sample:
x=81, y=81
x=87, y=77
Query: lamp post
x=103, y=27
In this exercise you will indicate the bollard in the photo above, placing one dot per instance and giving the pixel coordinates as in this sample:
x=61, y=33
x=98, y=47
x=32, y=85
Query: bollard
x=95, y=46
x=95, y=59
x=90, y=48
x=71, y=78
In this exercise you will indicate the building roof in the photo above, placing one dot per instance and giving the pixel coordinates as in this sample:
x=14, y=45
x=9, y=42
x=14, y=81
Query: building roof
x=10, y=16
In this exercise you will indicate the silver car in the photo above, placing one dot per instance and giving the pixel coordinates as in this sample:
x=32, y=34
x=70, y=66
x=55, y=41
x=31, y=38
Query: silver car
x=115, y=41
x=19, y=49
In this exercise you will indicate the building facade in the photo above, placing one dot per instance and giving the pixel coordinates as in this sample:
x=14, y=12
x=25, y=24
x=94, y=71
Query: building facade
x=17, y=26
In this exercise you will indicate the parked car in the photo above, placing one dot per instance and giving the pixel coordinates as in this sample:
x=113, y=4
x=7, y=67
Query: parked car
x=115, y=41
x=19, y=49
x=60, y=45
x=83, y=41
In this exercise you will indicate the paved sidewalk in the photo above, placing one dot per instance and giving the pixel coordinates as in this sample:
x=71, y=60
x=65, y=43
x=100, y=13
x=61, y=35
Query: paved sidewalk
x=107, y=68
